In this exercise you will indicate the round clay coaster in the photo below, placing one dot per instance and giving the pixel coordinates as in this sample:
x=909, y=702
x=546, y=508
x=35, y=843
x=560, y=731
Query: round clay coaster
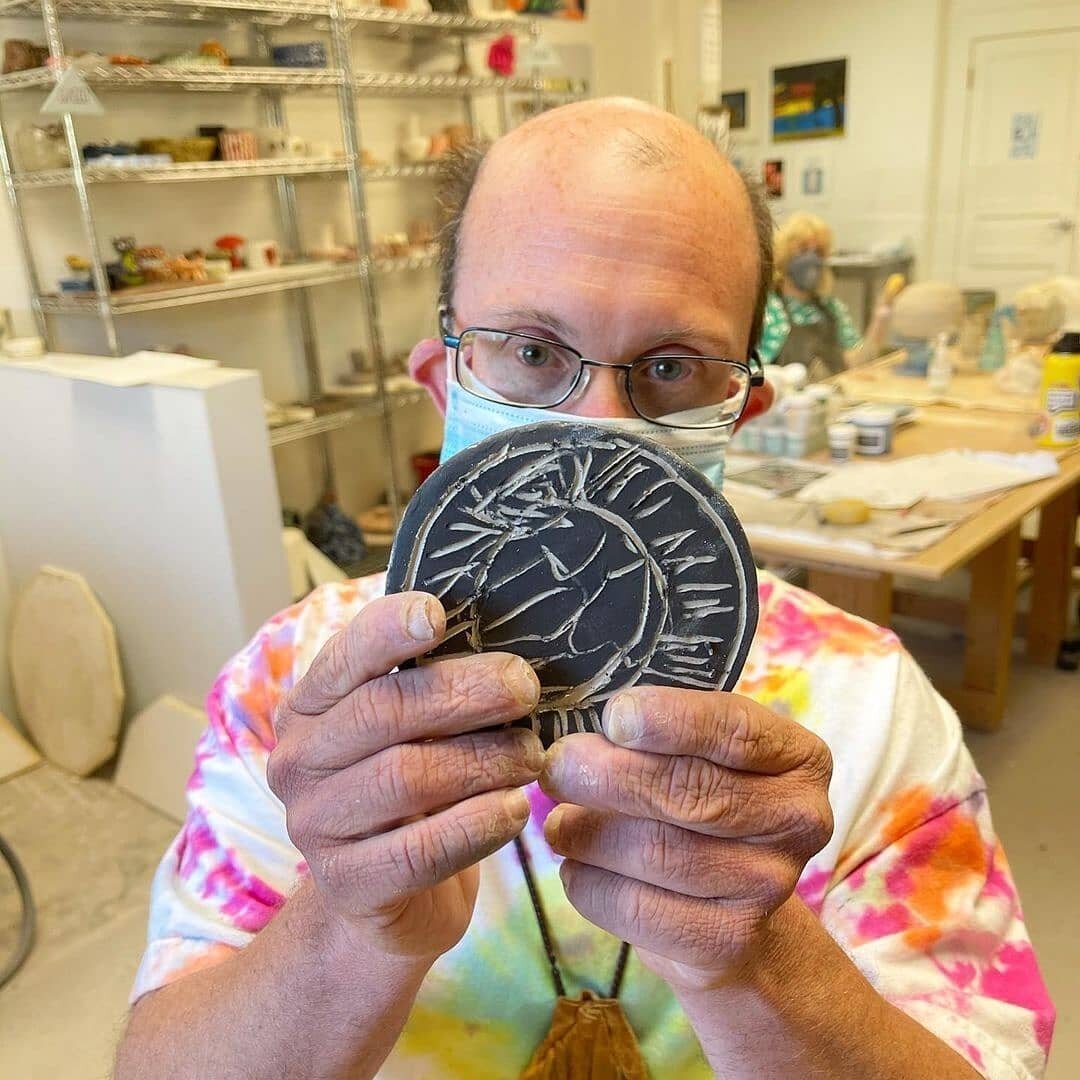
x=602, y=558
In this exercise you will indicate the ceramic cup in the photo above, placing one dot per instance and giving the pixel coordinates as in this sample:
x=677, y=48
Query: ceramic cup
x=238, y=145
x=264, y=255
x=273, y=142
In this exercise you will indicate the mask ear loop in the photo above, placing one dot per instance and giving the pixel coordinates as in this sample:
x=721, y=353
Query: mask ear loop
x=446, y=328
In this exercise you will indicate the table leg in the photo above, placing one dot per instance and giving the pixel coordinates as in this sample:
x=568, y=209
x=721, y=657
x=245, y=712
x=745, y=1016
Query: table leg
x=980, y=699
x=864, y=593
x=1051, y=583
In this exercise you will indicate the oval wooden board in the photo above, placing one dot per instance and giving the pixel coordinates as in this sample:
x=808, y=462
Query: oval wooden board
x=66, y=671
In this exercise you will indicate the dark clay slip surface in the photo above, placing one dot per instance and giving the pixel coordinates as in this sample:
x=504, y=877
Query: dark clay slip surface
x=602, y=558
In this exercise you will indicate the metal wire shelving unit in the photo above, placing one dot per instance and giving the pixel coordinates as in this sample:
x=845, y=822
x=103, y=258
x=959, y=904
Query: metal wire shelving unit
x=260, y=18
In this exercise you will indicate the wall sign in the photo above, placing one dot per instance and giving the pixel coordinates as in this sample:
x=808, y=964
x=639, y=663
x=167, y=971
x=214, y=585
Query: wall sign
x=1024, y=136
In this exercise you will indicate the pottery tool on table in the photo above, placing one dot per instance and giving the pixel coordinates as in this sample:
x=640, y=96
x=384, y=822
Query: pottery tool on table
x=602, y=558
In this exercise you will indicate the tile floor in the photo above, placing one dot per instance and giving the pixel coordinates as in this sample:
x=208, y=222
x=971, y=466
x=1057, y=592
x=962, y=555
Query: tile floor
x=60, y=1017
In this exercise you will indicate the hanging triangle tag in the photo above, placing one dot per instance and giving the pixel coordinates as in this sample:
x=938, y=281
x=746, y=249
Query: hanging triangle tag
x=72, y=94
x=538, y=56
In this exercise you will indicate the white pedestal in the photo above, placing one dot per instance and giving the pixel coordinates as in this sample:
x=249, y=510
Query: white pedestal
x=163, y=496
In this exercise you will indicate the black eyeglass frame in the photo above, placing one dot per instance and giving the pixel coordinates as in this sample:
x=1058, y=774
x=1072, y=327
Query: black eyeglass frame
x=752, y=368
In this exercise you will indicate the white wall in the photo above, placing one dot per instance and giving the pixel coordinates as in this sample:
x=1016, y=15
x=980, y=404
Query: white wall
x=969, y=21
x=878, y=172
x=162, y=497
x=7, y=696
x=631, y=39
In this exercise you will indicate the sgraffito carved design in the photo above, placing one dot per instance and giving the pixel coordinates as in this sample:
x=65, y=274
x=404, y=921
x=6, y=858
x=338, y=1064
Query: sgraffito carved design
x=601, y=558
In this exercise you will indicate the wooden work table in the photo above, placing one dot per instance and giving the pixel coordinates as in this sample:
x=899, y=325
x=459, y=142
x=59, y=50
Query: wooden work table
x=988, y=542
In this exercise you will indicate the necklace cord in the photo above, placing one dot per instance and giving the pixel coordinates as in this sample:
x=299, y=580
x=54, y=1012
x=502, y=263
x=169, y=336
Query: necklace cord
x=545, y=932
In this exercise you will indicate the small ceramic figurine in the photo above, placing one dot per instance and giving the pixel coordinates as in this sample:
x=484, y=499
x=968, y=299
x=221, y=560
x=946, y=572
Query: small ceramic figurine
x=233, y=246
x=216, y=51
x=129, y=274
x=81, y=279
x=501, y=55
x=421, y=234
x=440, y=143
x=414, y=145
x=1035, y=319
x=459, y=135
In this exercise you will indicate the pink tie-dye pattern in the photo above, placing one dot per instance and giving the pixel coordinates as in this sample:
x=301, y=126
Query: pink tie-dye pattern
x=876, y=923
x=968, y=1048
x=1014, y=976
x=927, y=855
x=248, y=902
x=811, y=888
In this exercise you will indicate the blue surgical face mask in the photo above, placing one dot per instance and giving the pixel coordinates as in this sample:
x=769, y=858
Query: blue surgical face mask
x=805, y=270
x=469, y=419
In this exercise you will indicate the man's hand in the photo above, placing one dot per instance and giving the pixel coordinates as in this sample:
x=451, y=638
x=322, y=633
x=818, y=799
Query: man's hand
x=393, y=793
x=689, y=829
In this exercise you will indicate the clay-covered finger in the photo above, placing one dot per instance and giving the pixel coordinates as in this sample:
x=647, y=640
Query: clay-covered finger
x=675, y=859
x=386, y=633
x=450, y=697
x=686, y=791
x=413, y=779
x=377, y=875
x=687, y=929
x=726, y=729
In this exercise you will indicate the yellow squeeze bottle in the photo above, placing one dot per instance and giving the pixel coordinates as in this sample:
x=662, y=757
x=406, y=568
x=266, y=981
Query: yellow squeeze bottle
x=1059, y=395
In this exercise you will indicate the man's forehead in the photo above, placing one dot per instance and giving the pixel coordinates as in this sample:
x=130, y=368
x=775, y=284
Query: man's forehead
x=691, y=213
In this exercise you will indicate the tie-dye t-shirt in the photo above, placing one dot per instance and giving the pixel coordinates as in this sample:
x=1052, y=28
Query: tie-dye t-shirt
x=914, y=885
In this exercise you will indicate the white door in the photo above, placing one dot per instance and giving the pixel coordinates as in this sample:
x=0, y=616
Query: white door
x=1020, y=190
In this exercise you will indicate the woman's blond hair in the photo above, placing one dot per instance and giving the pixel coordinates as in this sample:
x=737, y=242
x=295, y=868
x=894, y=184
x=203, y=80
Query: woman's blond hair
x=800, y=231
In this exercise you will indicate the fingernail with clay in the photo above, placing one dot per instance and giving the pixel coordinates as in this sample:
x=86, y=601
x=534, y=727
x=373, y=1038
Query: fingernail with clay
x=551, y=823
x=623, y=722
x=516, y=803
x=522, y=682
x=534, y=751
x=419, y=621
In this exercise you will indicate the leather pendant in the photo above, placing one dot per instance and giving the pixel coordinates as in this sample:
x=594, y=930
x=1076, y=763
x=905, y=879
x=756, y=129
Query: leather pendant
x=589, y=1039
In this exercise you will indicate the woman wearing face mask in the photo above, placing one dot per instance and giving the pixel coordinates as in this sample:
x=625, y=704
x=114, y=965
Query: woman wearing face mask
x=804, y=323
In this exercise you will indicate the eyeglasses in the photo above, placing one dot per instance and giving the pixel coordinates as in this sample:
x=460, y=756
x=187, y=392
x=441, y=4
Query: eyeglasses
x=675, y=390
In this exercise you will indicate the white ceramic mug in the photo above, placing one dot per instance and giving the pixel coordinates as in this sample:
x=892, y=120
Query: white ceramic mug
x=264, y=255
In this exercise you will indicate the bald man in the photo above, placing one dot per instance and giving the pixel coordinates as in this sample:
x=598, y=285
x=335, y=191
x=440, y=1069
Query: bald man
x=805, y=871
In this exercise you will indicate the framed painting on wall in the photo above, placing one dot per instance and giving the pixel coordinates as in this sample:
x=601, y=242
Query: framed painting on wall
x=772, y=175
x=809, y=100
x=560, y=9
x=735, y=103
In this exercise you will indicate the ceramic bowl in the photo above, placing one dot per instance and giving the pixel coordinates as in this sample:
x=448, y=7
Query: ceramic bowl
x=194, y=148
x=302, y=54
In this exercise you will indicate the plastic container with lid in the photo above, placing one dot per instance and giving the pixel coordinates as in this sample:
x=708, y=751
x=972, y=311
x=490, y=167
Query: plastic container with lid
x=1059, y=419
x=753, y=436
x=940, y=371
x=798, y=409
x=873, y=430
x=842, y=438
x=773, y=441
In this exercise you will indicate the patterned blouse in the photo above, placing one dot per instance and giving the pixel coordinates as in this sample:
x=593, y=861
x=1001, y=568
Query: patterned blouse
x=779, y=317
x=914, y=884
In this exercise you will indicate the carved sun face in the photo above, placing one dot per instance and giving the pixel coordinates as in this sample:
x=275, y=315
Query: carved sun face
x=600, y=558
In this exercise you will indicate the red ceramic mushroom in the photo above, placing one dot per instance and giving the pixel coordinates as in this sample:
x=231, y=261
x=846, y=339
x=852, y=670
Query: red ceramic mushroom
x=232, y=246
